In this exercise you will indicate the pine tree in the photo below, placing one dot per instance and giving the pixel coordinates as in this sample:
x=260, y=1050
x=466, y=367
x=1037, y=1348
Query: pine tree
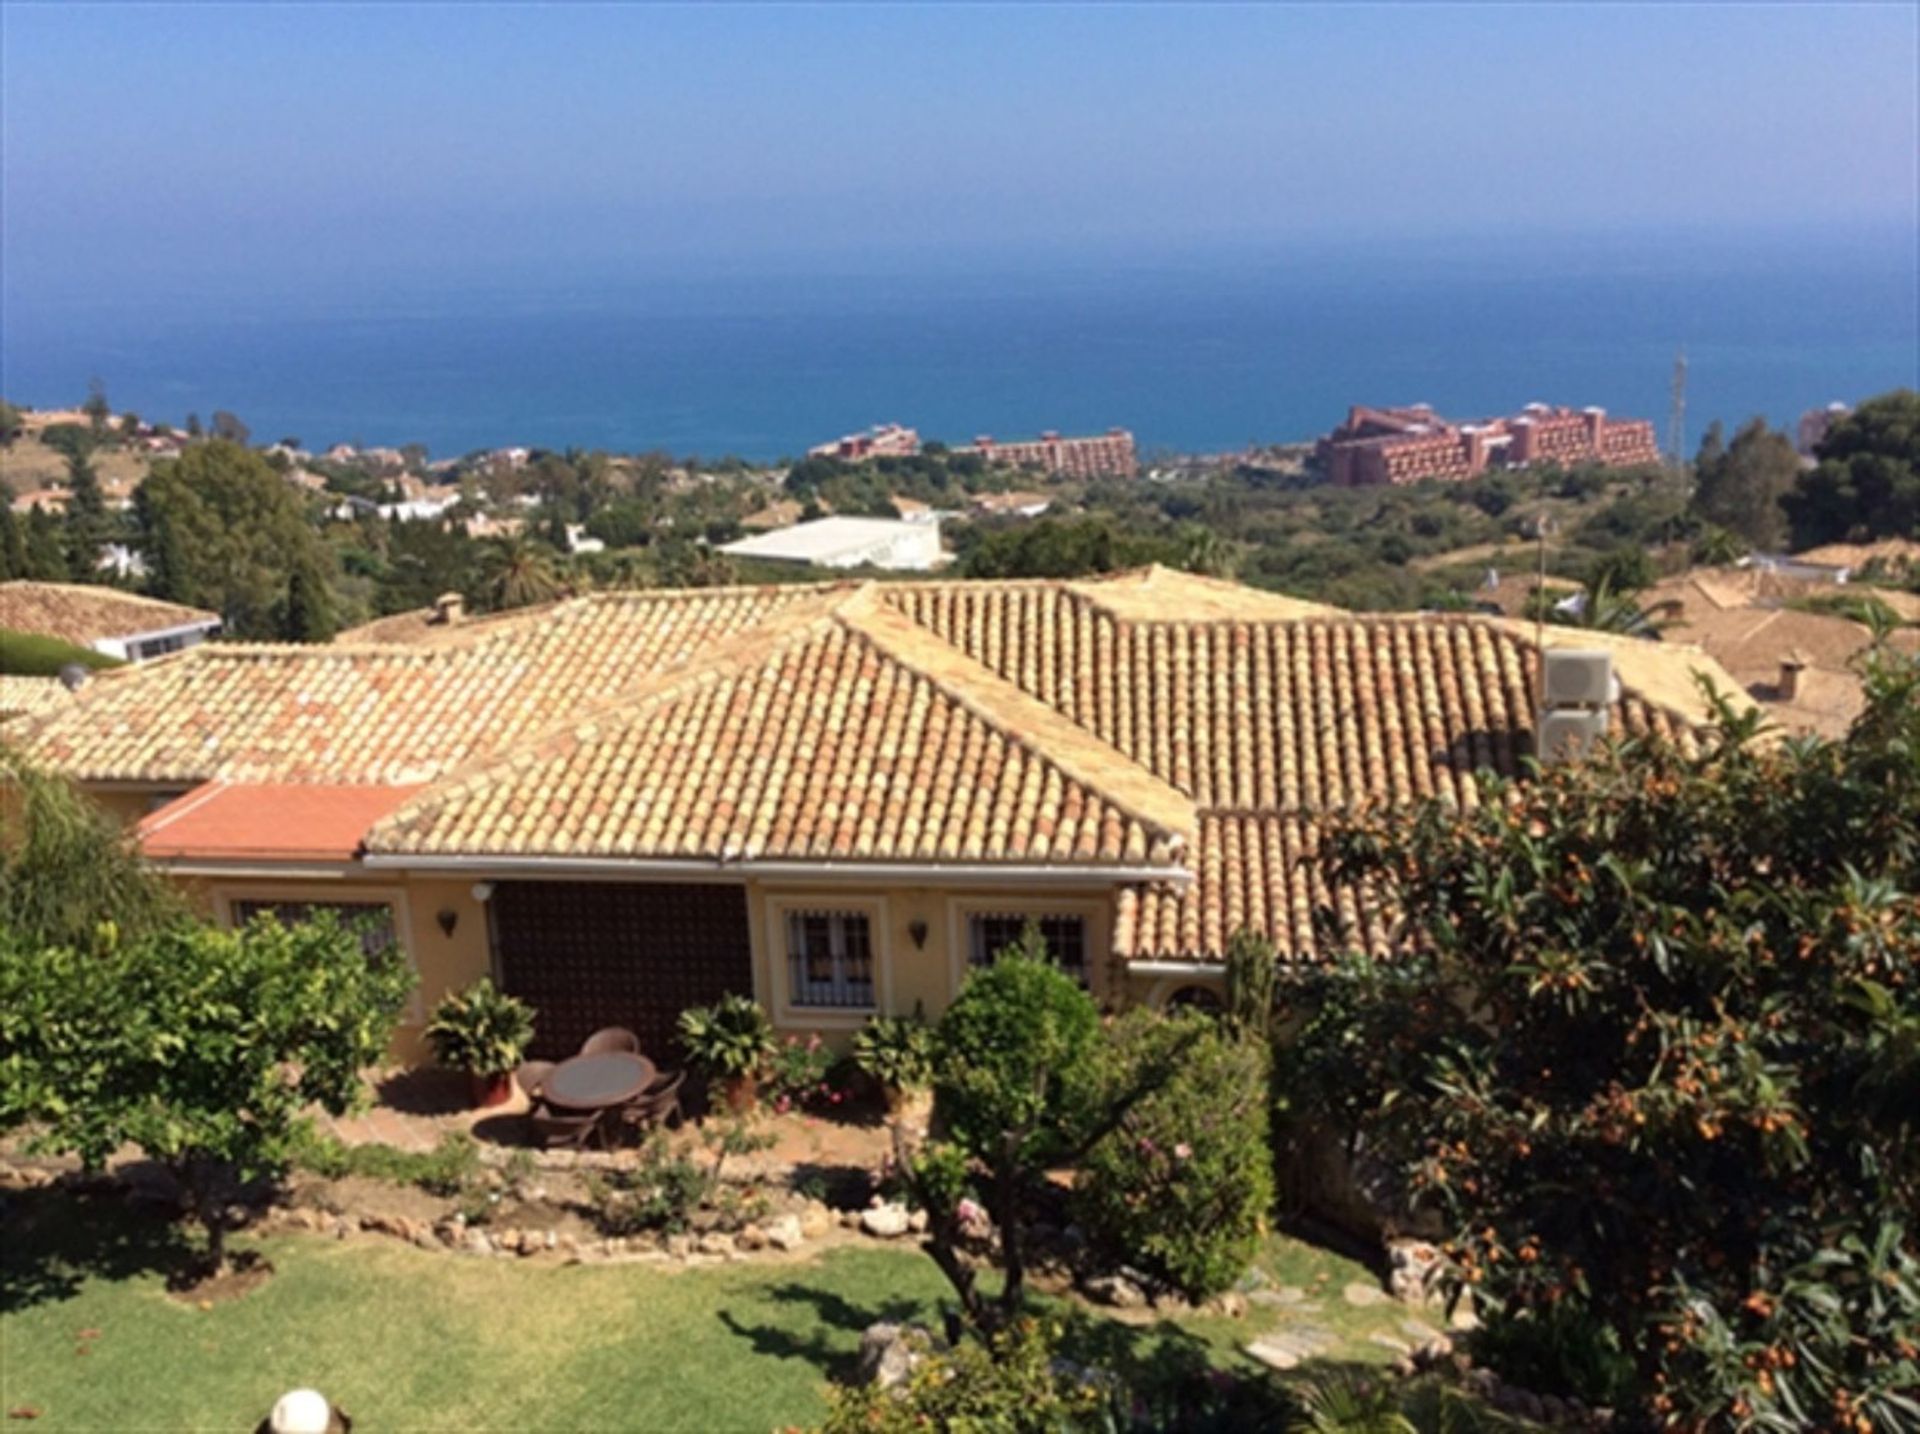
x=308, y=613
x=86, y=519
x=96, y=408
x=46, y=555
x=13, y=546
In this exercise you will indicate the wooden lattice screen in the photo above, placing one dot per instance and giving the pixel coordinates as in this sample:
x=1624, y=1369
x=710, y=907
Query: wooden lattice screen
x=587, y=955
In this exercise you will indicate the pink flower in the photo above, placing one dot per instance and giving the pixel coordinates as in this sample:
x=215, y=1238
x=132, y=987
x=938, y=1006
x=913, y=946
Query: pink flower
x=1182, y=1151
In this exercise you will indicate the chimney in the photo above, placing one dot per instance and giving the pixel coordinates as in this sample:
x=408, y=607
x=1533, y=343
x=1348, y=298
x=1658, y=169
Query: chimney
x=448, y=610
x=1791, y=666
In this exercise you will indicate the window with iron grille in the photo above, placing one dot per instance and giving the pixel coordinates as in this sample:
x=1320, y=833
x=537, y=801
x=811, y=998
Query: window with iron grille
x=371, y=921
x=991, y=932
x=829, y=959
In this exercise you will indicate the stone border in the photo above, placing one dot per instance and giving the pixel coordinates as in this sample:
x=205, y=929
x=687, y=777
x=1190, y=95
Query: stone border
x=780, y=1234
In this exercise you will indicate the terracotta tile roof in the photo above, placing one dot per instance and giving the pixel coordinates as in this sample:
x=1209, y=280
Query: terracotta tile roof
x=78, y=613
x=381, y=713
x=422, y=625
x=28, y=696
x=271, y=821
x=849, y=735
x=1147, y=719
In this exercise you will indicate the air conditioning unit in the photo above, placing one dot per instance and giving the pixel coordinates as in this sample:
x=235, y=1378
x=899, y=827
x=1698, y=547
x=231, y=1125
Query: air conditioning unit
x=1573, y=677
x=1571, y=734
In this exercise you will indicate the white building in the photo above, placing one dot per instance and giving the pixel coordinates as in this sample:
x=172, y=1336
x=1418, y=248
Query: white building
x=849, y=543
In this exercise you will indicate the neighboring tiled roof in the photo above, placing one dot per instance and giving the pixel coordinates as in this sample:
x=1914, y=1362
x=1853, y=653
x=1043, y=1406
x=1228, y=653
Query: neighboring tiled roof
x=1895, y=552
x=423, y=625
x=29, y=696
x=1146, y=719
x=1739, y=617
x=77, y=613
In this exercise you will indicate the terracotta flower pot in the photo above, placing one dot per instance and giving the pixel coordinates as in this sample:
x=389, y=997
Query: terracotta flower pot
x=742, y=1093
x=491, y=1090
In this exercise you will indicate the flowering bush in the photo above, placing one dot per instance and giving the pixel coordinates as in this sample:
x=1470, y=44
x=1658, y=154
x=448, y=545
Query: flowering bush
x=799, y=1073
x=1182, y=1186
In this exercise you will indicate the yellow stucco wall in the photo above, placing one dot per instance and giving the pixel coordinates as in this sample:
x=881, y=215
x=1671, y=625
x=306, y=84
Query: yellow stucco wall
x=909, y=974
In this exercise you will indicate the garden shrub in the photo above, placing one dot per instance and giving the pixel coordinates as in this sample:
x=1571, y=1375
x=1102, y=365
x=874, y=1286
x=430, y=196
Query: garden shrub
x=1182, y=1186
x=1014, y=1382
x=659, y=1192
x=1024, y=1082
x=1009, y=1050
x=449, y=1169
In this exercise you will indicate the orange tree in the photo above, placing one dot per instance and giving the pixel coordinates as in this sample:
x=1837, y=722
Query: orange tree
x=1655, y=1048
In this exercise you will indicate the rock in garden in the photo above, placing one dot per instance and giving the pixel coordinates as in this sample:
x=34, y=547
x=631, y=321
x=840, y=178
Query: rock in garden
x=1232, y=1304
x=477, y=1242
x=1413, y=1265
x=917, y=1222
x=714, y=1243
x=679, y=1246
x=1116, y=1290
x=889, y=1352
x=784, y=1232
x=815, y=1220
x=1363, y=1295
x=1285, y=1348
x=751, y=1237
x=889, y=1222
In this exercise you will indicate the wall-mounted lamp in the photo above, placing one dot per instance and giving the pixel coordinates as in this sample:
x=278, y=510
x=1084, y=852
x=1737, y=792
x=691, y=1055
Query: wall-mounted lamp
x=448, y=919
x=917, y=929
x=483, y=891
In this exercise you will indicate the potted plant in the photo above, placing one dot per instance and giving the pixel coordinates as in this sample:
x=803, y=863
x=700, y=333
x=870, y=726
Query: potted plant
x=897, y=1051
x=484, y=1032
x=731, y=1040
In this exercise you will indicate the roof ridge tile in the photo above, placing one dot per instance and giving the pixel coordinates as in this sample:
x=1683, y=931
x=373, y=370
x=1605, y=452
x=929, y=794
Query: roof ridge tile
x=1063, y=743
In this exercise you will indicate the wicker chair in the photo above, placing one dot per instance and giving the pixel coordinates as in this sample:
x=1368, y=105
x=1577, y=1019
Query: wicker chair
x=657, y=1105
x=613, y=1038
x=554, y=1131
x=532, y=1076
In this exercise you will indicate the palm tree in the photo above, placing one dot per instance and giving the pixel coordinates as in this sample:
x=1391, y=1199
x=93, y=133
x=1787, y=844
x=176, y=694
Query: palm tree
x=1720, y=548
x=1599, y=607
x=1205, y=552
x=519, y=573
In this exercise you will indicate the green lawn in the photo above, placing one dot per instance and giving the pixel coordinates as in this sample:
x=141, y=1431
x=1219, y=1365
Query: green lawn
x=403, y=1339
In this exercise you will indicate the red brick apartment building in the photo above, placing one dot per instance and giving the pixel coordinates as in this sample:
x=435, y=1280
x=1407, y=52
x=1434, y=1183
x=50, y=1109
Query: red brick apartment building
x=1111, y=455
x=886, y=440
x=1411, y=445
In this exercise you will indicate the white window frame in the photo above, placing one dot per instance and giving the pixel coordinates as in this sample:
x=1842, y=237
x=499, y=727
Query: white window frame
x=394, y=898
x=786, y=1010
x=1091, y=914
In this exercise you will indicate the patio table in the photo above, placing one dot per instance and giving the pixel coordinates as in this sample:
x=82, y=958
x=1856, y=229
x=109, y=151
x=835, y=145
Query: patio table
x=598, y=1082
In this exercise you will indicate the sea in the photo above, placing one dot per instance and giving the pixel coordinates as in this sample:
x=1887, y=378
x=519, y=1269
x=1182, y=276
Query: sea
x=1201, y=350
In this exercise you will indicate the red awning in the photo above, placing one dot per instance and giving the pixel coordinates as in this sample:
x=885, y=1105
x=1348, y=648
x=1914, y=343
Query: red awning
x=268, y=821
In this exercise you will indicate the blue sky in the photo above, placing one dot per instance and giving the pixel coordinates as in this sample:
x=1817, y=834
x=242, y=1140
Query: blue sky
x=171, y=144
